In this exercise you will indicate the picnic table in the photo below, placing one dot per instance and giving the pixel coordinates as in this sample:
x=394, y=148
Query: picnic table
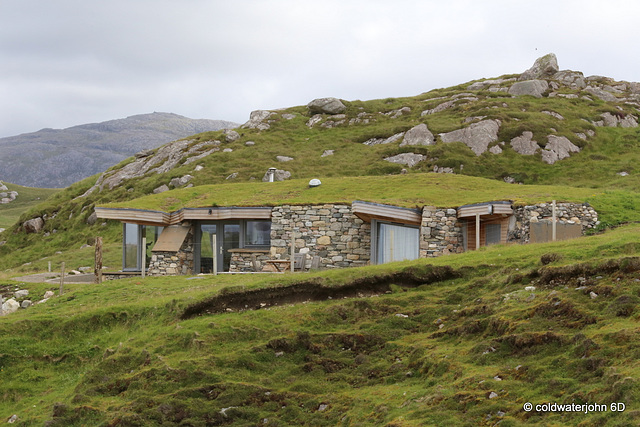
x=281, y=265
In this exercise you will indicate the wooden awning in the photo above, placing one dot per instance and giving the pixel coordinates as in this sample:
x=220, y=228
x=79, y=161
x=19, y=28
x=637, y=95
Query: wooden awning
x=171, y=239
x=367, y=211
x=482, y=209
x=147, y=217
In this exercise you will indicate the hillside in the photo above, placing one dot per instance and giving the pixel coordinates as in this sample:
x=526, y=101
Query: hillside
x=56, y=158
x=460, y=340
x=464, y=339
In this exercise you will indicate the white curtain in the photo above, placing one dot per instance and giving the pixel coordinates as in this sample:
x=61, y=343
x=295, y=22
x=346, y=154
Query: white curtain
x=397, y=243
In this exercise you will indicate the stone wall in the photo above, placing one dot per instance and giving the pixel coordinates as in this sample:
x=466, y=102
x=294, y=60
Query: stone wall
x=440, y=232
x=174, y=263
x=329, y=231
x=566, y=213
x=242, y=260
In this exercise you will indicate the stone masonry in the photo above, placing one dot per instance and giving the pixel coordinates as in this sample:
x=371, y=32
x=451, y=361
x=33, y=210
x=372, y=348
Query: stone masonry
x=329, y=231
x=566, y=213
x=440, y=232
x=174, y=263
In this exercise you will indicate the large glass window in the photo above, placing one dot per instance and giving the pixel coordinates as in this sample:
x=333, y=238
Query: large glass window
x=257, y=233
x=131, y=250
x=132, y=242
x=396, y=243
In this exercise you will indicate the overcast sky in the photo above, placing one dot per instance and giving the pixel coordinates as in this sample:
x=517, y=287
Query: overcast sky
x=70, y=62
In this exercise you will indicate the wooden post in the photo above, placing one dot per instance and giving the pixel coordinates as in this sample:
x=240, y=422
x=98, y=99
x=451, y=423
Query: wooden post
x=98, y=261
x=62, y=279
x=214, y=252
x=553, y=221
x=144, y=256
x=49, y=266
x=293, y=251
x=1, y=302
x=477, y=231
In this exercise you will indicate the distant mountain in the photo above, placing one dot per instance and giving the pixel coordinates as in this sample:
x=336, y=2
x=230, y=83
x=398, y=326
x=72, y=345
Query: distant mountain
x=55, y=158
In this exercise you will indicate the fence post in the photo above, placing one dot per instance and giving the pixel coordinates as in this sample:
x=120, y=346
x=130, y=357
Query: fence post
x=553, y=221
x=98, y=261
x=62, y=279
x=477, y=231
x=293, y=251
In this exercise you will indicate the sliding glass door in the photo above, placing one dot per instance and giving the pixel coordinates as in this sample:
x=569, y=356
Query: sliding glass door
x=396, y=242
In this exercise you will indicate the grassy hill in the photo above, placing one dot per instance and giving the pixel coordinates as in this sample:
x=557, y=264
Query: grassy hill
x=457, y=340
x=27, y=198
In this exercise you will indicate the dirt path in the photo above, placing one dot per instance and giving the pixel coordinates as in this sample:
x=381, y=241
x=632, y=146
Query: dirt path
x=55, y=278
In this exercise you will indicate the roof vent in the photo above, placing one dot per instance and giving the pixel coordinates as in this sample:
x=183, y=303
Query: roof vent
x=314, y=183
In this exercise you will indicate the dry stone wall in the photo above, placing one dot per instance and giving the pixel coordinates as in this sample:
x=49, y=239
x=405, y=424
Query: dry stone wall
x=440, y=232
x=566, y=213
x=174, y=263
x=329, y=231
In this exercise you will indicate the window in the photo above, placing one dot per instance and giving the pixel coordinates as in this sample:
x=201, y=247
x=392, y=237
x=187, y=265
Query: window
x=257, y=233
x=132, y=245
x=492, y=234
x=396, y=242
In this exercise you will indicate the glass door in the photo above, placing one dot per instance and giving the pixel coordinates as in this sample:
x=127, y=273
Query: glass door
x=229, y=240
x=207, y=231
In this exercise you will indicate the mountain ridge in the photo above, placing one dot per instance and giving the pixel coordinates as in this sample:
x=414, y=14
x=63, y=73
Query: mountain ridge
x=55, y=158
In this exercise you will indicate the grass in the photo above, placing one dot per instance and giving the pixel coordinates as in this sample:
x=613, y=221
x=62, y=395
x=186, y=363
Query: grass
x=119, y=353
x=27, y=198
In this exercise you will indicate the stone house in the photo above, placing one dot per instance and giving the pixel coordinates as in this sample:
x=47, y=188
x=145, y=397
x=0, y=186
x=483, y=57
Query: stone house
x=245, y=239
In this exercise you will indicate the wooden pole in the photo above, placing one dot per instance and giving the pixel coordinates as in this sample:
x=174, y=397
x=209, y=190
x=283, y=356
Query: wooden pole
x=477, y=231
x=62, y=279
x=49, y=266
x=214, y=251
x=144, y=256
x=1, y=302
x=553, y=221
x=98, y=261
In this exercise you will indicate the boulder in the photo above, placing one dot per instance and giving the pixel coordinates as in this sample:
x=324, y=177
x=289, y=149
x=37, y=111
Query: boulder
x=26, y=303
x=529, y=87
x=326, y=106
x=161, y=189
x=3, y=187
x=280, y=175
x=418, y=135
x=179, y=182
x=573, y=79
x=476, y=136
x=284, y=158
x=231, y=135
x=602, y=94
x=378, y=141
x=21, y=293
x=409, y=159
x=48, y=294
x=544, y=68
x=10, y=306
x=92, y=219
x=257, y=118
x=328, y=153
x=614, y=120
x=525, y=144
x=315, y=119
x=34, y=225
x=558, y=148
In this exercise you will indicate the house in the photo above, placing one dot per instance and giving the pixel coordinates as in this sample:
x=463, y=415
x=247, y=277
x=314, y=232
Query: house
x=243, y=239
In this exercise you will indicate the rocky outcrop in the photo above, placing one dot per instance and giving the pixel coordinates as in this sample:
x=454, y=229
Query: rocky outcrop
x=535, y=88
x=476, y=136
x=615, y=120
x=257, y=120
x=326, y=106
x=601, y=93
x=179, y=182
x=408, y=159
x=166, y=158
x=525, y=144
x=418, y=135
x=34, y=225
x=544, y=68
x=573, y=79
x=378, y=141
x=558, y=148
